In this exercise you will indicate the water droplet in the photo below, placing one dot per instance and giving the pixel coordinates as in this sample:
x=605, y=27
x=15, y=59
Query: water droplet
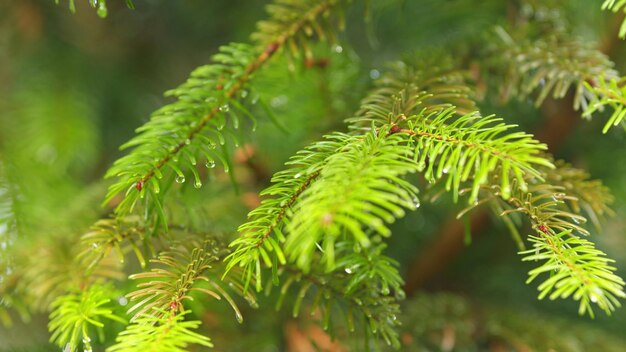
x=348, y=271
x=224, y=108
x=188, y=141
x=197, y=184
x=87, y=344
x=94, y=245
x=400, y=295
x=279, y=101
x=255, y=98
x=122, y=301
x=67, y=348
x=338, y=49
x=374, y=74
x=593, y=298
x=445, y=170
x=243, y=94
x=297, y=175
x=385, y=291
x=180, y=179
x=210, y=164
x=239, y=317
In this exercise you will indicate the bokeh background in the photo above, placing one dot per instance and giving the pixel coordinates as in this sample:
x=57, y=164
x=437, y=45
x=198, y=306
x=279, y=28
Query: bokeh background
x=73, y=87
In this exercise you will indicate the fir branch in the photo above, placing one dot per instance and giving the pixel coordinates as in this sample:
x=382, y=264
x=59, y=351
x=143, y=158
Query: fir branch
x=576, y=267
x=469, y=147
x=616, y=6
x=431, y=82
x=263, y=232
x=472, y=147
x=52, y=270
x=410, y=84
x=368, y=265
x=291, y=22
x=611, y=93
x=76, y=313
x=459, y=146
x=584, y=194
x=162, y=331
x=363, y=296
x=107, y=235
x=360, y=186
x=182, y=271
x=180, y=133
x=553, y=65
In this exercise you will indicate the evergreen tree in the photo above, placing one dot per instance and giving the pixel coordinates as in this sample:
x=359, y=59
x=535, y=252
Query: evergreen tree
x=377, y=120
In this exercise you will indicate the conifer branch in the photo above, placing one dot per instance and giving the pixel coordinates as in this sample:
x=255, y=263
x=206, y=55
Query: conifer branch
x=411, y=85
x=366, y=287
x=553, y=65
x=359, y=189
x=499, y=163
x=192, y=127
x=162, y=331
x=472, y=147
x=182, y=271
x=351, y=174
x=53, y=270
x=76, y=313
x=576, y=267
x=107, y=235
x=583, y=193
x=611, y=94
x=420, y=82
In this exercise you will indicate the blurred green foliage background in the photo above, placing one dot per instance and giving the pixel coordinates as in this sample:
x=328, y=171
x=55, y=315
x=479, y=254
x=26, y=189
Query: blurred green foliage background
x=74, y=87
